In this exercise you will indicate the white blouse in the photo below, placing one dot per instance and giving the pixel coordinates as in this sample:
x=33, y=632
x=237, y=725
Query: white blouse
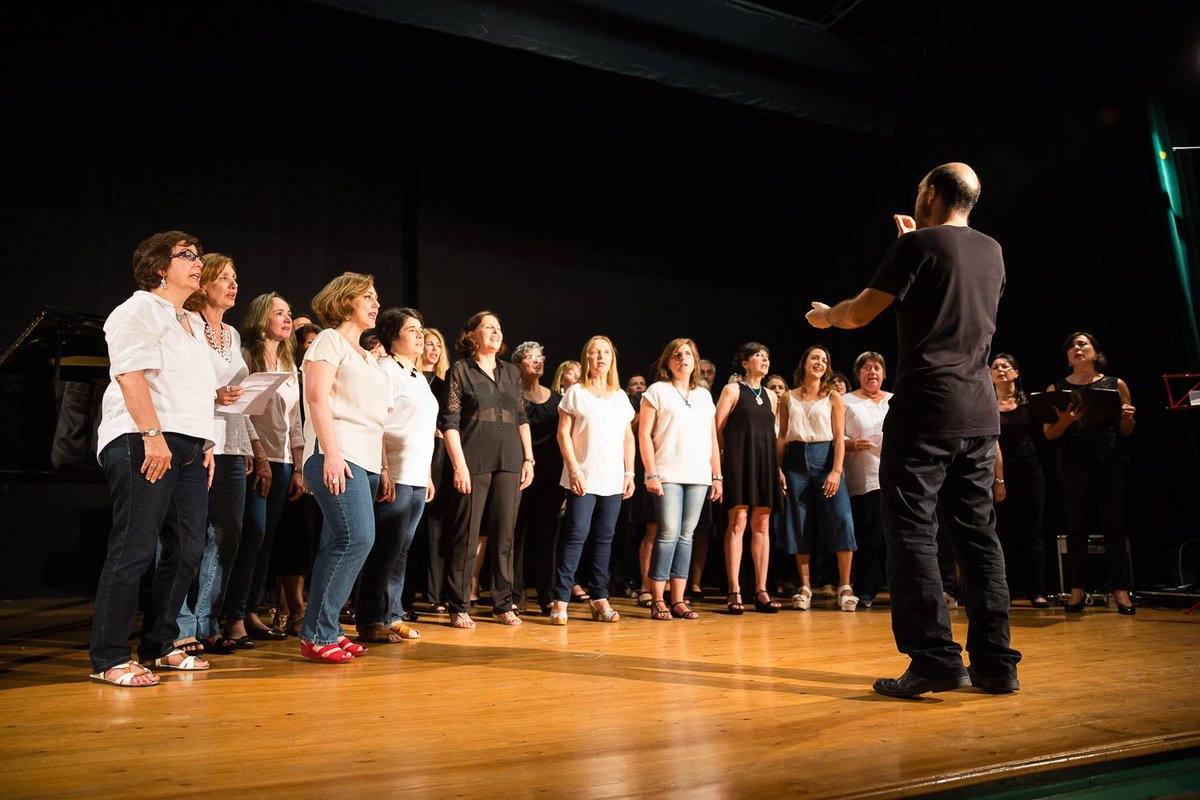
x=598, y=437
x=682, y=434
x=278, y=428
x=408, y=435
x=809, y=420
x=143, y=335
x=864, y=420
x=230, y=431
x=359, y=399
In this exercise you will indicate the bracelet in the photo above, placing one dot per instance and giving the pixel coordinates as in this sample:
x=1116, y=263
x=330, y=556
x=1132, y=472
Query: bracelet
x=999, y=480
x=718, y=478
x=630, y=474
x=576, y=472
x=530, y=461
x=653, y=477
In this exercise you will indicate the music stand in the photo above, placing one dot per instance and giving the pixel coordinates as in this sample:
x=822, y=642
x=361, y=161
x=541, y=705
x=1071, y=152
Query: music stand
x=1187, y=384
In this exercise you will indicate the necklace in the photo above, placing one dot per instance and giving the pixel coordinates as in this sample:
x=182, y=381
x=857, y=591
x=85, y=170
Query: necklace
x=412, y=370
x=687, y=402
x=757, y=393
x=223, y=346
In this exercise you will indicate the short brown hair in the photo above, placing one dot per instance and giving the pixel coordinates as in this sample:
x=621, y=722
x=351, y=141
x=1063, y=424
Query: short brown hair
x=214, y=265
x=663, y=373
x=864, y=358
x=332, y=304
x=152, y=257
x=464, y=344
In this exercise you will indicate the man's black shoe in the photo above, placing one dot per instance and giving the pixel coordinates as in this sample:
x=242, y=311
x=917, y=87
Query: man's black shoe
x=993, y=685
x=910, y=684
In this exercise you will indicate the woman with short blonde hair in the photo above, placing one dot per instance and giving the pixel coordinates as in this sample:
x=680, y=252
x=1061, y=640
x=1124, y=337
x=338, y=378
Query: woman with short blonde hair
x=566, y=376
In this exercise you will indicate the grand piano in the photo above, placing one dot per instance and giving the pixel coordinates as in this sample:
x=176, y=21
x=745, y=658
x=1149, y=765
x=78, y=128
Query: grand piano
x=54, y=496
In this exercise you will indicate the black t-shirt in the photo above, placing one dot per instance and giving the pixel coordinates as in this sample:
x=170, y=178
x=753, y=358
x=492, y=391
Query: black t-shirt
x=947, y=280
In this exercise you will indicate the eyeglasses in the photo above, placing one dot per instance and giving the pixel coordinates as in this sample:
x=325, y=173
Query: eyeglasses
x=186, y=255
x=535, y=358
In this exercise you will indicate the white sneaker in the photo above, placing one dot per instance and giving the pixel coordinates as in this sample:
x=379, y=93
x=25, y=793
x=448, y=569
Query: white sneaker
x=802, y=600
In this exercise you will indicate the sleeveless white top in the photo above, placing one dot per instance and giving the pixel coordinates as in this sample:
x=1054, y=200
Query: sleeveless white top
x=809, y=420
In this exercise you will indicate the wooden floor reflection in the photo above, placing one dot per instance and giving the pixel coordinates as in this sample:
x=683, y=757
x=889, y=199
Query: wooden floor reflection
x=724, y=706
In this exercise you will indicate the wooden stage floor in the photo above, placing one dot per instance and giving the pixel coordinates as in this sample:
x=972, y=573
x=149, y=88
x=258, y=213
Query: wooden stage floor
x=757, y=706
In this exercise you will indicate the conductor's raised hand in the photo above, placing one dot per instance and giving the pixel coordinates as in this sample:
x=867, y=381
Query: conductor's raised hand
x=904, y=224
x=819, y=316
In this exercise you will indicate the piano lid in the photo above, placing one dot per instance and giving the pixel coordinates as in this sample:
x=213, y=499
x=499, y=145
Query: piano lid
x=60, y=335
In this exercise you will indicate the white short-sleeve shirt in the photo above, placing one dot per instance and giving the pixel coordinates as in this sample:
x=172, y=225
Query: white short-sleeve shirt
x=682, y=433
x=143, y=335
x=408, y=435
x=864, y=420
x=230, y=431
x=598, y=437
x=359, y=400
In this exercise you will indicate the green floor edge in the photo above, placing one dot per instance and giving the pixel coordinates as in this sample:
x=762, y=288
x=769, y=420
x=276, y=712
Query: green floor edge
x=1152, y=776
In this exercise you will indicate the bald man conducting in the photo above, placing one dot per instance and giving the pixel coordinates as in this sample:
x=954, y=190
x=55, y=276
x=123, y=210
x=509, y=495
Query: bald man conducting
x=945, y=280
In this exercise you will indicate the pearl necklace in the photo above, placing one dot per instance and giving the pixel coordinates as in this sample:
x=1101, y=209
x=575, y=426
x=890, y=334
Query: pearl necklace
x=224, y=347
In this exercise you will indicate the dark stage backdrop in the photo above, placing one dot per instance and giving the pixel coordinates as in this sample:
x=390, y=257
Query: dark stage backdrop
x=305, y=141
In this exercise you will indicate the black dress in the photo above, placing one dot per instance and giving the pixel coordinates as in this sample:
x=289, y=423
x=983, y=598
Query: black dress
x=748, y=461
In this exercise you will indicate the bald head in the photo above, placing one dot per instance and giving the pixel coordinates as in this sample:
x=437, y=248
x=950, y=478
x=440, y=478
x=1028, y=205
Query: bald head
x=956, y=184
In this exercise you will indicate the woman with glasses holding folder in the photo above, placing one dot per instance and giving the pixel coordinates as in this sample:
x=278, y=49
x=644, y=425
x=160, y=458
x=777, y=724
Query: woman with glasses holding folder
x=1092, y=465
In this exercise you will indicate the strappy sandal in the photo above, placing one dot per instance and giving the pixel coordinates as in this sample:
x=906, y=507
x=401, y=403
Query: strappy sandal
x=644, y=599
x=461, y=619
x=659, y=610
x=846, y=599
x=768, y=606
x=735, y=607
x=326, y=653
x=185, y=664
x=220, y=645
x=378, y=633
x=687, y=612
x=192, y=648
x=802, y=600
x=351, y=648
x=580, y=597
x=132, y=671
x=403, y=630
x=557, y=617
x=601, y=614
x=510, y=618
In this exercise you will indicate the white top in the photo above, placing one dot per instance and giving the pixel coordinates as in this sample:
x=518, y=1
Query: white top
x=143, y=335
x=278, y=428
x=230, y=431
x=598, y=436
x=864, y=420
x=359, y=399
x=408, y=435
x=809, y=420
x=682, y=433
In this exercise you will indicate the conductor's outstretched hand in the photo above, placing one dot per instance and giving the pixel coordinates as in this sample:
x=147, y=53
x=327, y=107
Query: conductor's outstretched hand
x=818, y=317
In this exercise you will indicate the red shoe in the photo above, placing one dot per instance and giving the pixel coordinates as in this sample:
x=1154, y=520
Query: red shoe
x=326, y=654
x=350, y=647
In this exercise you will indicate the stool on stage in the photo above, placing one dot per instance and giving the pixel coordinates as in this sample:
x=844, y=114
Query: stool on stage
x=1095, y=546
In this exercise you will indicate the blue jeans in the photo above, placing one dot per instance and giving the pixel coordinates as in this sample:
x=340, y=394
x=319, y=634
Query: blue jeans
x=677, y=512
x=258, y=532
x=201, y=613
x=171, y=511
x=806, y=465
x=347, y=533
x=588, y=516
x=382, y=583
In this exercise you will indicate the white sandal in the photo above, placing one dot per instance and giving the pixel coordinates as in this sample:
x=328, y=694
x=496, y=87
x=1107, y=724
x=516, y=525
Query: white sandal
x=188, y=664
x=846, y=599
x=132, y=670
x=802, y=600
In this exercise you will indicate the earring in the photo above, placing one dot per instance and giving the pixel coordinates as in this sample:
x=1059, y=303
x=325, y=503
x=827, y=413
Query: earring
x=162, y=283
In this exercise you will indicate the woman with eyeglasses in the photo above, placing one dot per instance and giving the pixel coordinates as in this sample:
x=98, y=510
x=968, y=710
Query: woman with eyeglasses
x=678, y=433
x=155, y=433
x=489, y=445
x=347, y=396
x=1091, y=463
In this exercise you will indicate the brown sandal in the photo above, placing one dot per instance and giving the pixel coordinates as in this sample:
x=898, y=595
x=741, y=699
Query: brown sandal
x=687, y=612
x=659, y=610
x=378, y=633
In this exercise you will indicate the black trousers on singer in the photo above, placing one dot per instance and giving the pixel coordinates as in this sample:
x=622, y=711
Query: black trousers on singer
x=914, y=473
x=492, y=503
